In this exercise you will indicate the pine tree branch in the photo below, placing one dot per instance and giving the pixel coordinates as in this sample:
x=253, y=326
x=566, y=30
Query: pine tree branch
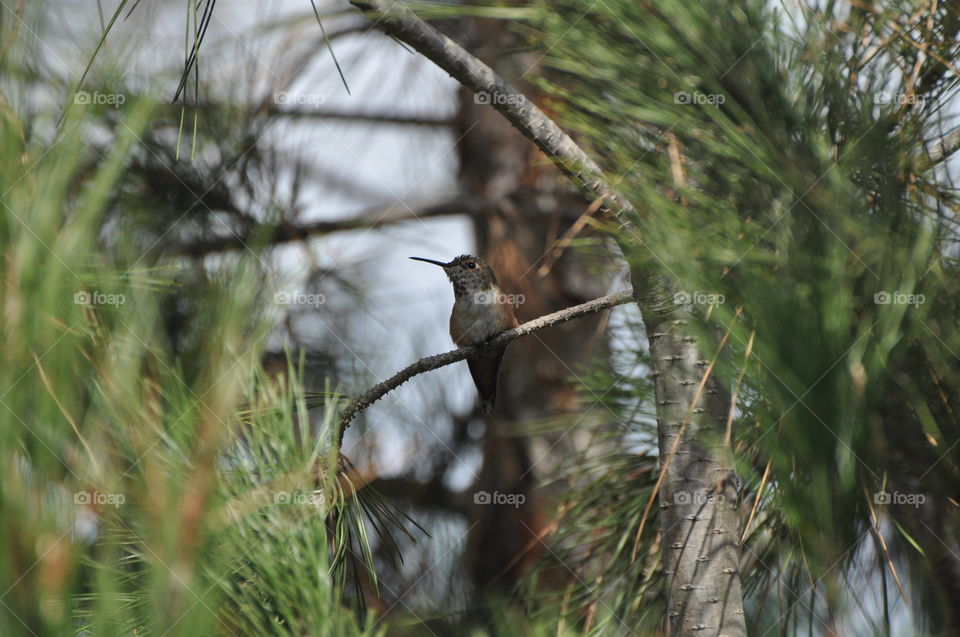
x=356, y=117
x=942, y=150
x=397, y=20
x=429, y=363
x=288, y=232
x=265, y=236
x=298, y=112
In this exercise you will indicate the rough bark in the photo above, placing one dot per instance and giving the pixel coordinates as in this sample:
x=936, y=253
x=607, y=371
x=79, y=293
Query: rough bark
x=699, y=525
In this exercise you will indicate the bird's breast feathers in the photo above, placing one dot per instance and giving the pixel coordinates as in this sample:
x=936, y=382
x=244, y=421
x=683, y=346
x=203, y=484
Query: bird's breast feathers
x=478, y=316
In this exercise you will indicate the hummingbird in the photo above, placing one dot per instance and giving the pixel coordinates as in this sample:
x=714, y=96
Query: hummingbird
x=480, y=312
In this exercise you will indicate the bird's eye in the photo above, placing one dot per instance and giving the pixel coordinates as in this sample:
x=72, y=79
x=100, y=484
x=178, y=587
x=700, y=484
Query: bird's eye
x=471, y=265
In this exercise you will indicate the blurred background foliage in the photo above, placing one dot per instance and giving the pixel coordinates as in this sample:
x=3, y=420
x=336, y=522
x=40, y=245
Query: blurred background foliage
x=165, y=421
x=789, y=161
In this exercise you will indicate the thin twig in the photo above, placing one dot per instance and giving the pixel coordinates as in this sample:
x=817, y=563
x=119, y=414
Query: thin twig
x=756, y=502
x=875, y=528
x=376, y=217
x=561, y=244
x=736, y=389
x=429, y=363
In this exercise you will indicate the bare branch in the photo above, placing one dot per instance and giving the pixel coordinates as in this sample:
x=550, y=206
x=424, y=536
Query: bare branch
x=942, y=150
x=286, y=232
x=373, y=218
x=355, y=117
x=315, y=113
x=400, y=22
x=379, y=390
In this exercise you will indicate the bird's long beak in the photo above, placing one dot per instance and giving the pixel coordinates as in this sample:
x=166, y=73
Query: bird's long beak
x=440, y=263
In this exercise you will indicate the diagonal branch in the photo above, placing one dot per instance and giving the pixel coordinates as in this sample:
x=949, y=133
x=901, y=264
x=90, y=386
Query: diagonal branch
x=400, y=22
x=942, y=150
x=379, y=390
x=287, y=232
x=308, y=112
x=266, y=236
x=355, y=117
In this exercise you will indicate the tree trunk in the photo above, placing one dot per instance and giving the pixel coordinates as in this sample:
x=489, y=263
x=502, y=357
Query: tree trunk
x=698, y=495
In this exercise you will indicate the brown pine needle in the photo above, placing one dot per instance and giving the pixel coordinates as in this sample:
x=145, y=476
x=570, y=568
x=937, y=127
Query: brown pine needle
x=66, y=414
x=756, y=502
x=736, y=389
x=886, y=552
x=561, y=244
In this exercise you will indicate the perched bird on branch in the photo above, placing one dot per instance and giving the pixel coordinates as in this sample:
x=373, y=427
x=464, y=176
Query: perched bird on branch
x=481, y=310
